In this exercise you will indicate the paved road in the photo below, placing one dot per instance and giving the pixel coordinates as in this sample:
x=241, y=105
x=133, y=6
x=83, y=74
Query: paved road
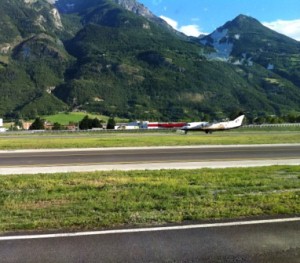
x=152, y=155
x=275, y=242
x=258, y=243
x=151, y=158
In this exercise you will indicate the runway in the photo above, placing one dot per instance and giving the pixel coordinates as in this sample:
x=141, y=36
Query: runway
x=273, y=242
x=148, y=157
x=259, y=241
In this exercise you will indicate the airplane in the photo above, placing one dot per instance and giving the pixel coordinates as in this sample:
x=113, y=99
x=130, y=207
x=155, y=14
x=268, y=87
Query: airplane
x=211, y=127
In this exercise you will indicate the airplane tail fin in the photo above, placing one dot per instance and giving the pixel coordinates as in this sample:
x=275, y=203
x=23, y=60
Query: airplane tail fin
x=239, y=120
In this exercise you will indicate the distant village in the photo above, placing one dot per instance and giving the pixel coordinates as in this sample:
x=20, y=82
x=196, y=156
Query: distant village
x=26, y=125
x=96, y=125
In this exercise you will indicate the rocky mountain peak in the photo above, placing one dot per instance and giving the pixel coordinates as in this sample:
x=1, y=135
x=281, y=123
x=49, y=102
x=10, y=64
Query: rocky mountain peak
x=139, y=9
x=135, y=7
x=244, y=23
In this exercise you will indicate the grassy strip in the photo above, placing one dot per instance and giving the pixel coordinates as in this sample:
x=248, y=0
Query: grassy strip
x=131, y=140
x=75, y=117
x=109, y=199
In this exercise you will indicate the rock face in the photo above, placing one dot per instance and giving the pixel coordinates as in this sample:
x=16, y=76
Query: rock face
x=135, y=7
x=141, y=10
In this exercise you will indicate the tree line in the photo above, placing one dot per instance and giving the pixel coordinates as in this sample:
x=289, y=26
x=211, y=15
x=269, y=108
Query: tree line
x=86, y=123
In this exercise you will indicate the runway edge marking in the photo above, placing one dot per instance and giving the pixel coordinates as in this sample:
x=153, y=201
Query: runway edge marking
x=150, y=229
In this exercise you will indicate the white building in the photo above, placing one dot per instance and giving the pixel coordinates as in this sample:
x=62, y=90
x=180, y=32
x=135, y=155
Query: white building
x=2, y=129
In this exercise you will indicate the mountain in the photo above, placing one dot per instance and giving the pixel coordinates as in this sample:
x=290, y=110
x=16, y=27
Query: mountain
x=32, y=56
x=116, y=58
x=245, y=41
x=130, y=5
x=245, y=38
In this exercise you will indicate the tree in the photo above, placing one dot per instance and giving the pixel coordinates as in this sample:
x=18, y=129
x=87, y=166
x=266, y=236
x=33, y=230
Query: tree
x=57, y=126
x=38, y=124
x=260, y=120
x=111, y=123
x=85, y=124
x=96, y=123
x=18, y=124
x=236, y=113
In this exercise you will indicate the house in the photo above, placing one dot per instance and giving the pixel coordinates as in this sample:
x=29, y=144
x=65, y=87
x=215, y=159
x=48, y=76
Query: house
x=2, y=129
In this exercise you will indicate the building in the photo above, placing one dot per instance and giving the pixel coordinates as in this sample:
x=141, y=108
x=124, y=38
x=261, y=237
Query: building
x=26, y=125
x=162, y=125
x=2, y=129
x=151, y=125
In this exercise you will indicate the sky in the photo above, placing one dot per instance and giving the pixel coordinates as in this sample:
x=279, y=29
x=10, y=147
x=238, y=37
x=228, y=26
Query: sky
x=195, y=17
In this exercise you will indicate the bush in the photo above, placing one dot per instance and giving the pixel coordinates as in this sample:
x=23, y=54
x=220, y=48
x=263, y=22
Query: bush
x=87, y=123
x=38, y=124
x=111, y=123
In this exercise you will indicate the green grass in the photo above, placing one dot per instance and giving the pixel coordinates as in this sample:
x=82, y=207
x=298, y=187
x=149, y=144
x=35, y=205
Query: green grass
x=84, y=140
x=261, y=128
x=75, y=117
x=78, y=201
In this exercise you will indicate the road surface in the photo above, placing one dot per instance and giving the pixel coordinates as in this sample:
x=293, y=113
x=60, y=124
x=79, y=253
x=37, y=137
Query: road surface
x=271, y=242
x=274, y=242
x=147, y=158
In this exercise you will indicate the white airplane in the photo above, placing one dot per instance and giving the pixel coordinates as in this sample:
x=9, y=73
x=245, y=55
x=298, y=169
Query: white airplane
x=211, y=127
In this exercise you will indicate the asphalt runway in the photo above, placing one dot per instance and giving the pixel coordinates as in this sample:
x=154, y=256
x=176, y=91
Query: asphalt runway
x=148, y=155
x=150, y=158
x=275, y=242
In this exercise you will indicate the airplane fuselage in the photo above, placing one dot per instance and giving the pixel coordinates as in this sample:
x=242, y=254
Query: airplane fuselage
x=211, y=127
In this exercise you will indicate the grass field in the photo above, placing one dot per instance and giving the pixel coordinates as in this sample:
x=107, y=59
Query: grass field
x=93, y=140
x=75, y=117
x=70, y=117
x=97, y=200
x=79, y=201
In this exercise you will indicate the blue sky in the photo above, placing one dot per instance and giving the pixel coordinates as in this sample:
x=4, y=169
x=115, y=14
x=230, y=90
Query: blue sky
x=203, y=16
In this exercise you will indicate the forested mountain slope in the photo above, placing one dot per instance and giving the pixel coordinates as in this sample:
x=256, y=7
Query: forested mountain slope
x=116, y=58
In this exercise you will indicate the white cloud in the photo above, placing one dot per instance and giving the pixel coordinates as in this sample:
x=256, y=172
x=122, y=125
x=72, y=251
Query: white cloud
x=170, y=21
x=289, y=28
x=189, y=30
